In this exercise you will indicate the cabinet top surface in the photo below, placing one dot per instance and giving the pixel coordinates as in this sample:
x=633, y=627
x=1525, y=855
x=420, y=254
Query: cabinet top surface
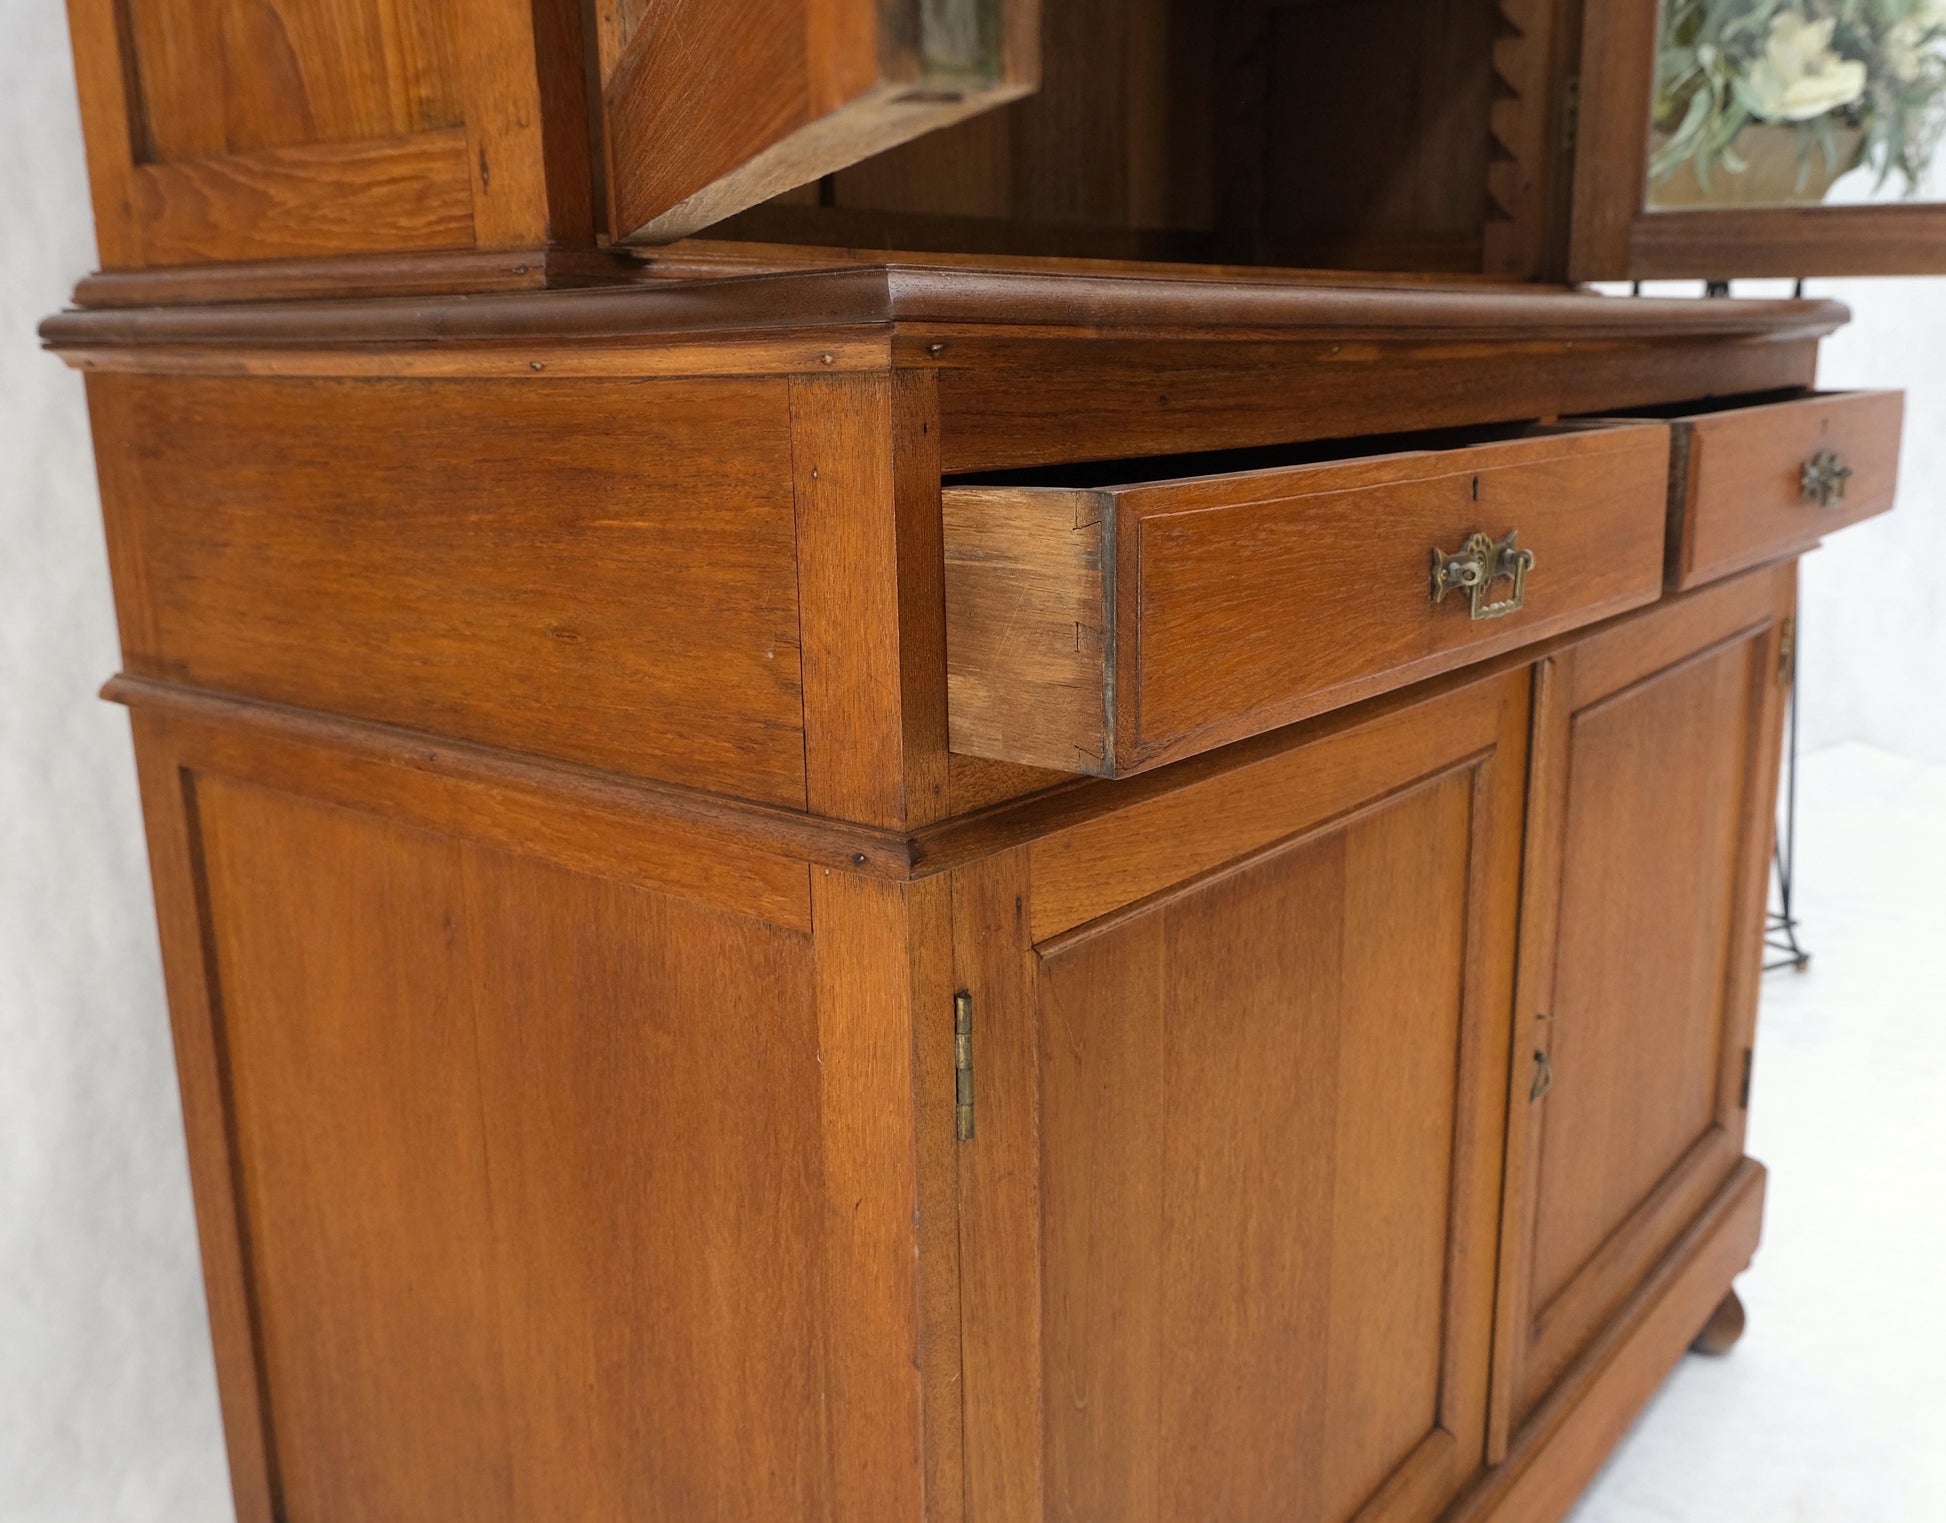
x=1088, y=301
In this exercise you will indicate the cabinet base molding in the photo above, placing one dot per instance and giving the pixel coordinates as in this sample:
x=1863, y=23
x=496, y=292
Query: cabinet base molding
x=1572, y=1433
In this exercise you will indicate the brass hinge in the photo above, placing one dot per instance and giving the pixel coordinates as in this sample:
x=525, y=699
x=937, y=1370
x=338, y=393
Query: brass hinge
x=1743, y=1095
x=1787, y=652
x=1570, y=115
x=963, y=1065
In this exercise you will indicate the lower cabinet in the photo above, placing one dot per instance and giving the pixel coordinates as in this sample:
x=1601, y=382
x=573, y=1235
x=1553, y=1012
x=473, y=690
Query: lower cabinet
x=1293, y=1190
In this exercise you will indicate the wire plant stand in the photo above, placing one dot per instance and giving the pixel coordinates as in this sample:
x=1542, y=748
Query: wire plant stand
x=1782, y=947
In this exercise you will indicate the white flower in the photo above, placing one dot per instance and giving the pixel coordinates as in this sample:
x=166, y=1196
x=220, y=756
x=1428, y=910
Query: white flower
x=1800, y=76
x=1905, y=53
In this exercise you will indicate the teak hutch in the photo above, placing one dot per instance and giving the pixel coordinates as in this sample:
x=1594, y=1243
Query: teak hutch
x=1109, y=868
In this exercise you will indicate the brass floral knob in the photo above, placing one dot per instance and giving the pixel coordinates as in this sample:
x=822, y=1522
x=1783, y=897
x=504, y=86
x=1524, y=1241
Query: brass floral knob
x=1824, y=478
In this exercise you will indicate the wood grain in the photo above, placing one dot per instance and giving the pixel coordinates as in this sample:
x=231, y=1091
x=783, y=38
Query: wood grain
x=316, y=199
x=195, y=1022
x=252, y=130
x=1099, y=863
x=234, y=77
x=1001, y=1313
x=1788, y=241
x=865, y=464
x=871, y=1322
x=1373, y=319
x=1261, y=995
x=492, y=1170
x=1739, y=497
x=1027, y=626
x=353, y=276
x=591, y=570
x=1576, y=1430
x=1243, y=601
x=711, y=108
x=1643, y=922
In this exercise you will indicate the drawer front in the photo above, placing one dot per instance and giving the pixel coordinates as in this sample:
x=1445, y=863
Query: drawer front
x=1112, y=630
x=1757, y=483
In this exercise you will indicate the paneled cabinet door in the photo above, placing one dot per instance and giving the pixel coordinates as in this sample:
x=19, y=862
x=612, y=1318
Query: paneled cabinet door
x=710, y=106
x=1229, y=1207
x=1649, y=834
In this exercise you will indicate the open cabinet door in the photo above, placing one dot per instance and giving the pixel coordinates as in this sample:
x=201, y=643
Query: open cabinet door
x=711, y=106
x=1722, y=138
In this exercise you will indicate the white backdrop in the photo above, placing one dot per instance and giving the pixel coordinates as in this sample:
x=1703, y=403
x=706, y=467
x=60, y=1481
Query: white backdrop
x=107, y=1404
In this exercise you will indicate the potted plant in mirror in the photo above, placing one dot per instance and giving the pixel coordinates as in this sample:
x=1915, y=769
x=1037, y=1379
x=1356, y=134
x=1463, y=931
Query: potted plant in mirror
x=1768, y=102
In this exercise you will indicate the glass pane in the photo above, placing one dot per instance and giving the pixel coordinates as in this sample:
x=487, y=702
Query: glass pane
x=1785, y=102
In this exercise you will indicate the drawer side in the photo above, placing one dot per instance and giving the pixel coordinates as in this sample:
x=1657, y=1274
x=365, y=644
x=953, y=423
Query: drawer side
x=1029, y=670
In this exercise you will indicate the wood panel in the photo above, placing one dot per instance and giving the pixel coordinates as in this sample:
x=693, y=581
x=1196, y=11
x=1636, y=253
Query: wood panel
x=526, y=1183
x=1030, y=400
x=292, y=203
x=1737, y=492
x=866, y=471
x=595, y=570
x=249, y=74
x=1575, y=1431
x=1658, y=778
x=1655, y=777
x=1403, y=88
x=710, y=108
x=1107, y=629
x=1264, y=1158
x=273, y=129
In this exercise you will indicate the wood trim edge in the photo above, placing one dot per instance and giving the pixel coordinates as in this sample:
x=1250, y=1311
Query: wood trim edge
x=827, y=843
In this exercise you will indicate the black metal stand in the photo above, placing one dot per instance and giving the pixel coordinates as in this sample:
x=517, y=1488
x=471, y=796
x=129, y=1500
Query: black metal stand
x=1780, y=925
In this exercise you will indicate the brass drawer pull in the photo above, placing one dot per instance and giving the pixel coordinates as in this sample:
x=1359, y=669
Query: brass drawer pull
x=1476, y=566
x=1824, y=478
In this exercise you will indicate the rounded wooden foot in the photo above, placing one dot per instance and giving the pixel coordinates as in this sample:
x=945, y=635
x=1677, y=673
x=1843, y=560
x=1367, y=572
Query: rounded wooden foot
x=1725, y=1326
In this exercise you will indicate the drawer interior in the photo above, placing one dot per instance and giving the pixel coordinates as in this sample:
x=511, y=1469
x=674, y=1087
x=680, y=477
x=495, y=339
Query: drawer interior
x=1152, y=470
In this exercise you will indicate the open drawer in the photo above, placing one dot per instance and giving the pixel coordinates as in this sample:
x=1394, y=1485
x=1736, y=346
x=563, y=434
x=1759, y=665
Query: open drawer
x=1098, y=622
x=1757, y=483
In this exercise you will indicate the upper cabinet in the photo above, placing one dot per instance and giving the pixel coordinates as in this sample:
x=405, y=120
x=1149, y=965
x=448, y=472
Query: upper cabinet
x=1718, y=138
x=1370, y=134
x=1519, y=139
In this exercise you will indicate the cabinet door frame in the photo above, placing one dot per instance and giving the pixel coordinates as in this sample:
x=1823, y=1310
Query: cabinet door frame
x=1121, y=847
x=1613, y=235
x=1751, y=610
x=709, y=108
x=512, y=174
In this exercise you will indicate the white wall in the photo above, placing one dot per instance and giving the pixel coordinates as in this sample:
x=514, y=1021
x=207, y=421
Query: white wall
x=107, y=1406
x=107, y=1400
x=1873, y=652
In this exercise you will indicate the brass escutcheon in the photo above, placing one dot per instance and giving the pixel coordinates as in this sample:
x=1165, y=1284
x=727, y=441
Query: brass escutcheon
x=1476, y=566
x=1824, y=478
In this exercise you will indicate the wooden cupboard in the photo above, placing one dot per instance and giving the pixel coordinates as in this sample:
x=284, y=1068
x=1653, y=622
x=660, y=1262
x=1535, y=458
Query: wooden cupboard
x=1071, y=875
